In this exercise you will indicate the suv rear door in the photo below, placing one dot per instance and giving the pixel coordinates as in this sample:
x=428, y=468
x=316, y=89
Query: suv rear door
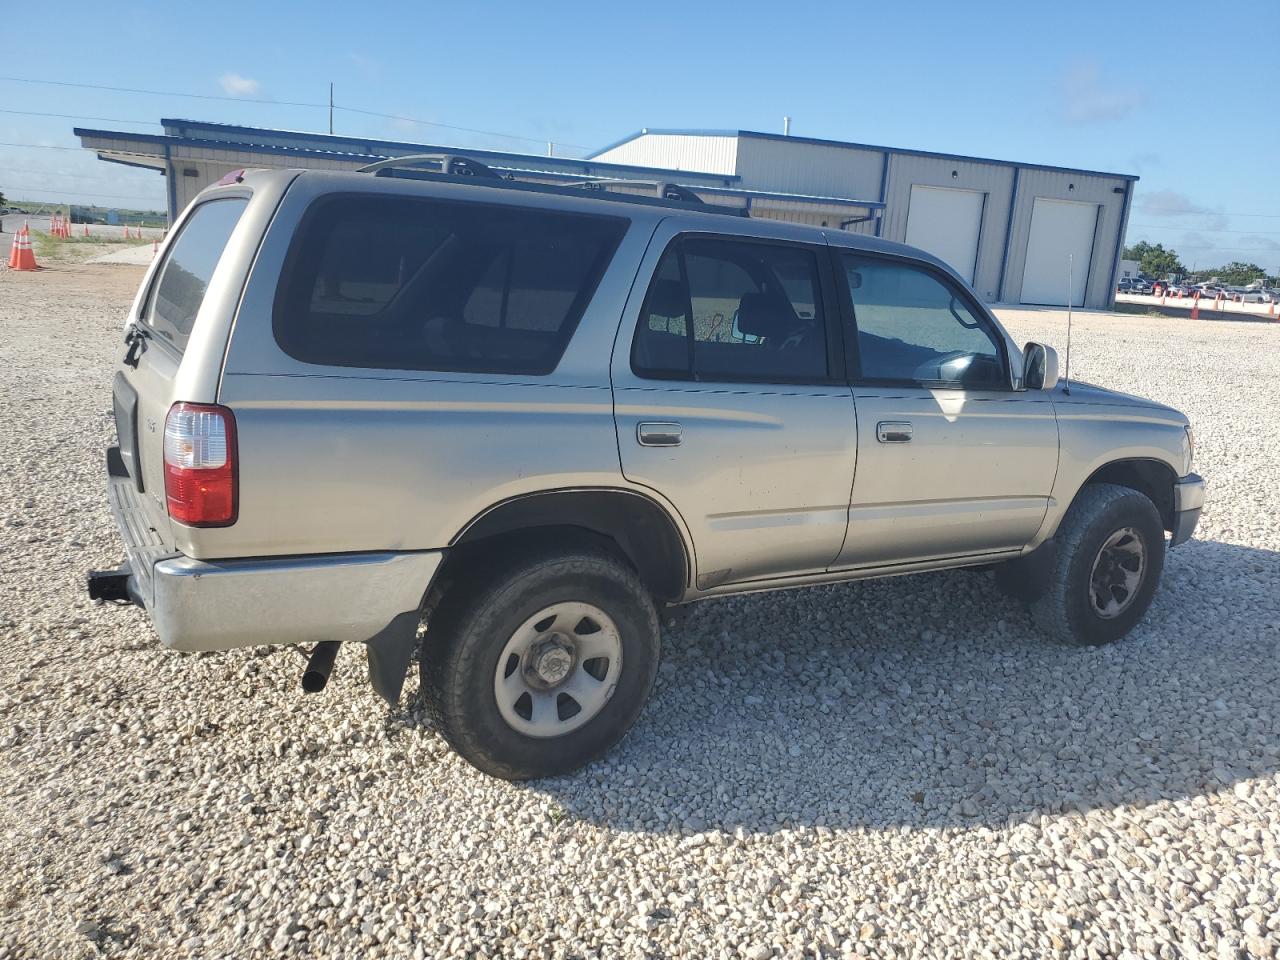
x=730, y=400
x=164, y=329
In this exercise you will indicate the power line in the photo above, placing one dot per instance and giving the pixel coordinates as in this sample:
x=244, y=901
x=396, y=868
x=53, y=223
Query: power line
x=38, y=146
x=1167, y=226
x=282, y=103
x=85, y=193
x=450, y=126
x=161, y=93
x=78, y=116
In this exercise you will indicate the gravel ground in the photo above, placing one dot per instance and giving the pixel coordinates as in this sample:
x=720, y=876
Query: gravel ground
x=895, y=768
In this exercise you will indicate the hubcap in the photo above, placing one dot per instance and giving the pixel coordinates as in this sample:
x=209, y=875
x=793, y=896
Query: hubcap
x=1117, y=573
x=558, y=670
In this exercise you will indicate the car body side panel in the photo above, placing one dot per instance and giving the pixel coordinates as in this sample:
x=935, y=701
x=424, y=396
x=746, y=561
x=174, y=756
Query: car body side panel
x=343, y=459
x=1095, y=433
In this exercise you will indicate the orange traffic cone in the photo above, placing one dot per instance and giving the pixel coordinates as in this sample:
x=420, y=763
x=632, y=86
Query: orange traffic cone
x=155, y=247
x=1195, y=306
x=21, y=256
x=85, y=231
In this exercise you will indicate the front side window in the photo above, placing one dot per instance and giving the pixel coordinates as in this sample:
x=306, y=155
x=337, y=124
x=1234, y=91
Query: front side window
x=914, y=328
x=184, y=276
x=726, y=310
x=411, y=284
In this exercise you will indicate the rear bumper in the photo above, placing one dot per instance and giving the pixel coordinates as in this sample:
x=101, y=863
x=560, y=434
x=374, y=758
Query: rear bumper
x=224, y=604
x=1188, y=501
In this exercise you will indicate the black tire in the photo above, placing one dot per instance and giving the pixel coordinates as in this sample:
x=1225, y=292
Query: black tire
x=470, y=628
x=1067, y=611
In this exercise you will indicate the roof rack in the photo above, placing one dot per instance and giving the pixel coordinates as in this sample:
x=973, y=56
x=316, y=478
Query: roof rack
x=461, y=168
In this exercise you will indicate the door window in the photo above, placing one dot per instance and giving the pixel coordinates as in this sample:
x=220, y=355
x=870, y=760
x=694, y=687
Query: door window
x=725, y=310
x=914, y=328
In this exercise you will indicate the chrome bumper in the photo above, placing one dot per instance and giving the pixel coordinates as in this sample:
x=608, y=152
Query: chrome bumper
x=224, y=604
x=1188, y=501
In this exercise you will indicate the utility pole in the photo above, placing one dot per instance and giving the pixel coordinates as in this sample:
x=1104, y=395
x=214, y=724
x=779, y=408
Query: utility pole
x=331, y=106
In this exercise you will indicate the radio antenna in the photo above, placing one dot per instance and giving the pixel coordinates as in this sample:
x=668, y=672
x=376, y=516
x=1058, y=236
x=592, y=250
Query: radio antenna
x=1066, y=374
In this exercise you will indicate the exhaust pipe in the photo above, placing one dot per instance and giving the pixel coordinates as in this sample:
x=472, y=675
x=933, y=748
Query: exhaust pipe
x=319, y=664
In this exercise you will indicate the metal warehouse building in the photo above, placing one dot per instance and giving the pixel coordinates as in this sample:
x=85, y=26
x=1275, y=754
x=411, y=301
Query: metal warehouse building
x=1011, y=229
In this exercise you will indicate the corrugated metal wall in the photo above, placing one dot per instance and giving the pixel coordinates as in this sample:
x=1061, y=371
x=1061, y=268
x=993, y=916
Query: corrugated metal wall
x=709, y=153
x=809, y=168
x=1083, y=188
x=996, y=182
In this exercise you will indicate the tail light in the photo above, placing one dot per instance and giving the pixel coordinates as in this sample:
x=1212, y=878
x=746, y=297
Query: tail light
x=200, y=465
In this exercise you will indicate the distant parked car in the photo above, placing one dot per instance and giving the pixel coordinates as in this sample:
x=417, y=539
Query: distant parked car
x=1252, y=296
x=1124, y=285
x=1179, y=290
x=1141, y=286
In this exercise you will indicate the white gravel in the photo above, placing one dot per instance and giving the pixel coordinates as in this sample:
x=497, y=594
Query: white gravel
x=898, y=768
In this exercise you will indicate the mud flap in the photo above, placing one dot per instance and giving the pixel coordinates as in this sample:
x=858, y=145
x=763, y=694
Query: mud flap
x=390, y=651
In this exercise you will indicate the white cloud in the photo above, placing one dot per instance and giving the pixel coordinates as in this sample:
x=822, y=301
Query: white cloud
x=1087, y=97
x=238, y=86
x=1171, y=203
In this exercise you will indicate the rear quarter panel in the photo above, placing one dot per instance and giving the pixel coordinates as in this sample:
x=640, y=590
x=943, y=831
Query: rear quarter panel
x=340, y=459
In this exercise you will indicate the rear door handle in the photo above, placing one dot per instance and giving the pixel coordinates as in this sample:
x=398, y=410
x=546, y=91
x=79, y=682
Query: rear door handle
x=660, y=434
x=893, y=431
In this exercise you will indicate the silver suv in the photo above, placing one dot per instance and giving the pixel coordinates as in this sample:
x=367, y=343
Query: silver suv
x=540, y=418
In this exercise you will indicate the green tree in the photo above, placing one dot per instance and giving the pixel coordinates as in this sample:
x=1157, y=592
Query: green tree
x=1237, y=274
x=1154, y=260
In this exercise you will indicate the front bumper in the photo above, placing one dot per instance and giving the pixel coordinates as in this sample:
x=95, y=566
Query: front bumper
x=224, y=604
x=1188, y=501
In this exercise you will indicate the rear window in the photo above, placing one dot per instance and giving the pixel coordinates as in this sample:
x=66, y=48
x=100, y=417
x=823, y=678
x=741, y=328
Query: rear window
x=188, y=265
x=407, y=284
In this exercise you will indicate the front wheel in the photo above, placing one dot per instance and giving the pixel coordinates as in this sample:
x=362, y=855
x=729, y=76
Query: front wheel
x=1109, y=559
x=546, y=665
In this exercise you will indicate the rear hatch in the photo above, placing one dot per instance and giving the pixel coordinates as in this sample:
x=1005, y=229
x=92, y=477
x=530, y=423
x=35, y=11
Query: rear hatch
x=173, y=349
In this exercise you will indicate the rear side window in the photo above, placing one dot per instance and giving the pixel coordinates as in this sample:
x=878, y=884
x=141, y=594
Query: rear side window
x=184, y=276
x=727, y=310
x=407, y=284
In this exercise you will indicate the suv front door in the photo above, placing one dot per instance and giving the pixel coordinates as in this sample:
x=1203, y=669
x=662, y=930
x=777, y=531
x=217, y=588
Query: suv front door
x=952, y=462
x=730, y=401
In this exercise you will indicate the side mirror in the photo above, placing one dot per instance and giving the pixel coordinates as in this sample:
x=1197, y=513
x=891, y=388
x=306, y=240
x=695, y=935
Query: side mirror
x=1039, y=367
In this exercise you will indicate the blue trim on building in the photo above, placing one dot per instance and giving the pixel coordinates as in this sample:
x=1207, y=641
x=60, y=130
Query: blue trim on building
x=129, y=163
x=884, y=186
x=581, y=165
x=1115, y=261
x=1008, y=233
x=867, y=146
x=170, y=186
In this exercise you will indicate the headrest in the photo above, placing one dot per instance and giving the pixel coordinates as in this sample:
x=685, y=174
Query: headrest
x=667, y=298
x=765, y=315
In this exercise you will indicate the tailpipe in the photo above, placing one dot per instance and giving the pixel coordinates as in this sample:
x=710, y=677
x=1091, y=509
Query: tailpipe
x=319, y=664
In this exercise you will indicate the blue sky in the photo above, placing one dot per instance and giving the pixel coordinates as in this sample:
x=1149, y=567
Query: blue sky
x=1136, y=88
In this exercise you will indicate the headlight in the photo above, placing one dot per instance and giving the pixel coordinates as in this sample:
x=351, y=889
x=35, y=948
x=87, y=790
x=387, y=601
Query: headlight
x=1188, y=449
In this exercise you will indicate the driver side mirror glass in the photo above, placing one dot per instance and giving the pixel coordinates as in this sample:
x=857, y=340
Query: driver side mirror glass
x=1039, y=367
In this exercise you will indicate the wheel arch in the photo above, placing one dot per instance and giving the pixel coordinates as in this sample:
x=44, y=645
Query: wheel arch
x=1153, y=478
x=643, y=530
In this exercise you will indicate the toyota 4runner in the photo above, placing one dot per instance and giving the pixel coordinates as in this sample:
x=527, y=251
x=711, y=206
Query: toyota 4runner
x=536, y=417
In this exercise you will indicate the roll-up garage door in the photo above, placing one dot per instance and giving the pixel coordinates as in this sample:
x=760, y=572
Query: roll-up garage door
x=946, y=223
x=1060, y=229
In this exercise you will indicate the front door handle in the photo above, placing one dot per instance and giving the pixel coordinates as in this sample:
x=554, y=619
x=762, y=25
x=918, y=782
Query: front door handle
x=662, y=434
x=893, y=431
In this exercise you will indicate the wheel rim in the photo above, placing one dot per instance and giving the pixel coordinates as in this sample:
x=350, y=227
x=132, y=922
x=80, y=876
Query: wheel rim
x=558, y=670
x=1117, y=573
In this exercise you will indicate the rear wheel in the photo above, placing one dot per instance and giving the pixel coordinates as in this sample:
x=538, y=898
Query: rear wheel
x=546, y=665
x=1110, y=554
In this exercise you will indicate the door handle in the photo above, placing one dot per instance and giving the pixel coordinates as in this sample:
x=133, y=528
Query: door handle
x=893, y=431
x=662, y=434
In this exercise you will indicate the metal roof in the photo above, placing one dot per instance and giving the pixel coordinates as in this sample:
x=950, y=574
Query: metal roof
x=753, y=134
